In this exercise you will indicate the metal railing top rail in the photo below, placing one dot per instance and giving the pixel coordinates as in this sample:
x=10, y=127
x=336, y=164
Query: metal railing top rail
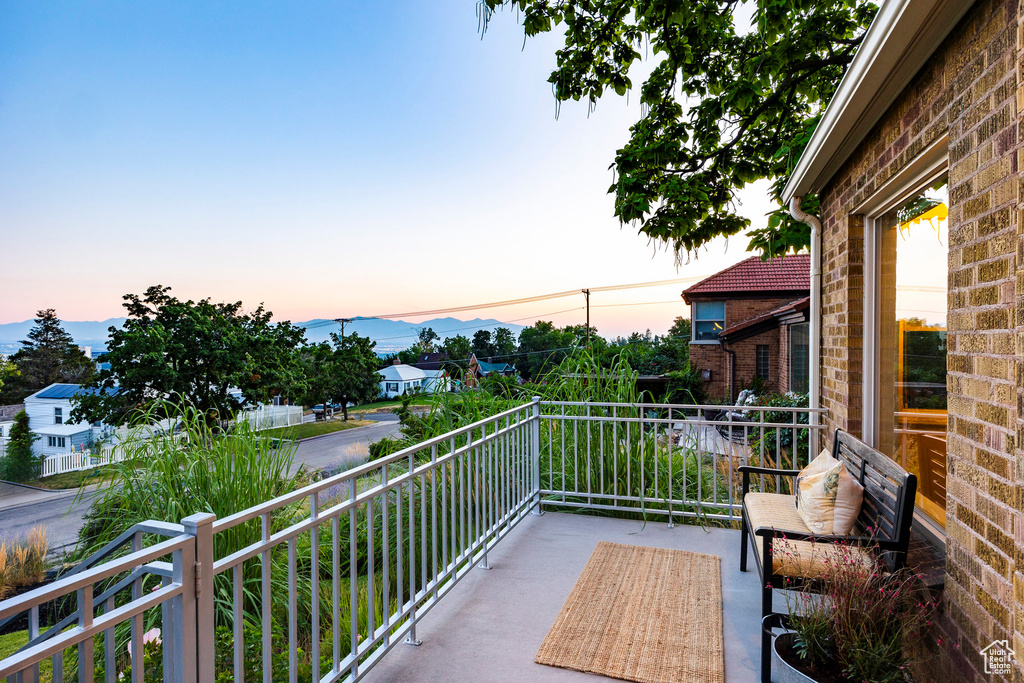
x=257, y=511
x=736, y=424
x=688, y=406
x=65, y=585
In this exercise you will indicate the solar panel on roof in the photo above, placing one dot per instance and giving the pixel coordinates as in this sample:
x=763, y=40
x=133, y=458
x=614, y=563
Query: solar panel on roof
x=62, y=391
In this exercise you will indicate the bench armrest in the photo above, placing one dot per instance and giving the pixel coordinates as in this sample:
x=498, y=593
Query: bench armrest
x=747, y=470
x=820, y=538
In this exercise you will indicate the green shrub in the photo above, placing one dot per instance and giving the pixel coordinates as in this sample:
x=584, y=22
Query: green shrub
x=19, y=464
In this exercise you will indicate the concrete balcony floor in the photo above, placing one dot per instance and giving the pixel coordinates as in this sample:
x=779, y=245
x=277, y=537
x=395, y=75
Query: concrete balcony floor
x=491, y=625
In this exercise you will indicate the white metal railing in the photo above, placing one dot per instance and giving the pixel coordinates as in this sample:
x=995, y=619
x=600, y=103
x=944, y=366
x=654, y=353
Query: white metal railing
x=668, y=460
x=322, y=582
x=113, y=602
x=386, y=540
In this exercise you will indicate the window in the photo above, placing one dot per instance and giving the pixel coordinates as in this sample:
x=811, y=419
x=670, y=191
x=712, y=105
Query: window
x=391, y=386
x=708, y=320
x=761, y=367
x=58, y=416
x=799, y=336
x=56, y=441
x=908, y=343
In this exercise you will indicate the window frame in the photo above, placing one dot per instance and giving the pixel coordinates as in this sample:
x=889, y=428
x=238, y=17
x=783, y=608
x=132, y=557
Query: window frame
x=764, y=349
x=696, y=319
x=58, y=415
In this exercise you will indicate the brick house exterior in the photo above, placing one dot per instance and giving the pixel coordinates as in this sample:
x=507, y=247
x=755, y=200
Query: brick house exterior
x=938, y=92
x=758, y=299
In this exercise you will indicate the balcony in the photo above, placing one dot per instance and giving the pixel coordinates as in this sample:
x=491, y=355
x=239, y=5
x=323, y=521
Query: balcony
x=492, y=626
x=336, y=581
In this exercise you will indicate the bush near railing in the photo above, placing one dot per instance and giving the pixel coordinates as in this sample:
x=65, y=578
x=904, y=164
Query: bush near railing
x=23, y=561
x=581, y=378
x=780, y=447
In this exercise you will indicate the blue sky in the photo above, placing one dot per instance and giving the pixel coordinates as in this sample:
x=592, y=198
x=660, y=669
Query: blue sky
x=328, y=159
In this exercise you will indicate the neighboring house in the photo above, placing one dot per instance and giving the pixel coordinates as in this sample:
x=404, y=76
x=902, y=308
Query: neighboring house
x=49, y=412
x=478, y=369
x=917, y=169
x=431, y=361
x=749, y=322
x=436, y=378
x=399, y=379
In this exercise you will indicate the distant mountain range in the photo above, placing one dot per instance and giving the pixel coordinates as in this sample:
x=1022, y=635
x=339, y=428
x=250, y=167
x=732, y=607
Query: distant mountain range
x=390, y=335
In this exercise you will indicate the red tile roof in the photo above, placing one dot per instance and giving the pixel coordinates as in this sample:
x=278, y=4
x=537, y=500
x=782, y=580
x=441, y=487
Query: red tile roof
x=785, y=309
x=754, y=276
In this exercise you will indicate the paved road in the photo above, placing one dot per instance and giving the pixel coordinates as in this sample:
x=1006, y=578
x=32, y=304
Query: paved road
x=21, y=509
x=342, y=450
x=57, y=511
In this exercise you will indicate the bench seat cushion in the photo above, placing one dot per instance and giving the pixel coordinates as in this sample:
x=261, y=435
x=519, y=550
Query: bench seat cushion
x=796, y=559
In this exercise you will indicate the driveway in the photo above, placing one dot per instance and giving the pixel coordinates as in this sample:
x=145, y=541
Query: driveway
x=22, y=508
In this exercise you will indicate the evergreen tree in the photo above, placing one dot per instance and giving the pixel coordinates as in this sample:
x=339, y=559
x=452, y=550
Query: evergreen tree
x=19, y=464
x=49, y=355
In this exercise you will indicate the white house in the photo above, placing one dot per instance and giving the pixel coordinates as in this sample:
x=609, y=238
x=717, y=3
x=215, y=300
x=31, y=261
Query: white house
x=399, y=379
x=436, y=382
x=49, y=413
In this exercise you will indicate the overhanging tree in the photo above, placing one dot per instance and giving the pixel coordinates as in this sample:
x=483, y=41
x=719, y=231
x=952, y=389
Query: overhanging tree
x=727, y=102
x=196, y=350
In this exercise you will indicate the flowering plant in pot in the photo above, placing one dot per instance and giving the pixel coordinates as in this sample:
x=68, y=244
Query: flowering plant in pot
x=860, y=622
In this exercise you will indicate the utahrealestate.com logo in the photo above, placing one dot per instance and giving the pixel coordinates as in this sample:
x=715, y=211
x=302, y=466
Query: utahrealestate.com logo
x=998, y=658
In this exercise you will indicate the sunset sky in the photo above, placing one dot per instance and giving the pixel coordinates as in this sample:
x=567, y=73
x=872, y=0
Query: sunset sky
x=329, y=159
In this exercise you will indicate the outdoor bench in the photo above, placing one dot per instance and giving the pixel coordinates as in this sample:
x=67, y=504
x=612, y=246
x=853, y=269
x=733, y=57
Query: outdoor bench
x=789, y=556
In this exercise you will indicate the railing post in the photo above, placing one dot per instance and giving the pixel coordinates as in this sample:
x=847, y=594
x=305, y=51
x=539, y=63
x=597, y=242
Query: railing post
x=200, y=526
x=535, y=454
x=812, y=436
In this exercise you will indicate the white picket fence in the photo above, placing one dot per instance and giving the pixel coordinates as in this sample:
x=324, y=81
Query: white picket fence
x=271, y=417
x=264, y=417
x=80, y=460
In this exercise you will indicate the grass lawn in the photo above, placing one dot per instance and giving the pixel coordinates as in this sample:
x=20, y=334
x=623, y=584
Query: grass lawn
x=70, y=480
x=388, y=406
x=11, y=642
x=304, y=431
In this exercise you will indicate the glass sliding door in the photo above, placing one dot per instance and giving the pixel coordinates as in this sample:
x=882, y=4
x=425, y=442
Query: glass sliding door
x=912, y=269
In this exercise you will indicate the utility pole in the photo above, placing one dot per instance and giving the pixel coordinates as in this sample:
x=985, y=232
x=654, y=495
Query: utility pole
x=586, y=293
x=342, y=321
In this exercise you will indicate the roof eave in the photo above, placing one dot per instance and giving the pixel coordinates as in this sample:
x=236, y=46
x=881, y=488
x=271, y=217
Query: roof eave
x=882, y=68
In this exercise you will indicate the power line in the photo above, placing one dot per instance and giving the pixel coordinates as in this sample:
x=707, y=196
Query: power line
x=639, y=303
x=530, y=299
x=479, y=327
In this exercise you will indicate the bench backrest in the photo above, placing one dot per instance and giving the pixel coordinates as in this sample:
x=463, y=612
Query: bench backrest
x=888, y=509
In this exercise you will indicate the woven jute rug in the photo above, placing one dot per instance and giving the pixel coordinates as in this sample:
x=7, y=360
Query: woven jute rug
x=642, y=614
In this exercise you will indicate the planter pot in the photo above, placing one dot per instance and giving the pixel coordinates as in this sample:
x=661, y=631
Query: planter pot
x=785, y=672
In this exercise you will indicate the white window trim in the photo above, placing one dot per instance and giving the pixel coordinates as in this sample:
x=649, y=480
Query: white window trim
x=927, y=167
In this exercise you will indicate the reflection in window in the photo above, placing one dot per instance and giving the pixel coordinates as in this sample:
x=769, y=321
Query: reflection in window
x=912, y=272
x=708, y=319
x=799, y=336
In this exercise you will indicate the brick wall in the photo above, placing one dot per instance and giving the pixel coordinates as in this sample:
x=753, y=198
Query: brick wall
x=968, y=90
x=712, y=357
